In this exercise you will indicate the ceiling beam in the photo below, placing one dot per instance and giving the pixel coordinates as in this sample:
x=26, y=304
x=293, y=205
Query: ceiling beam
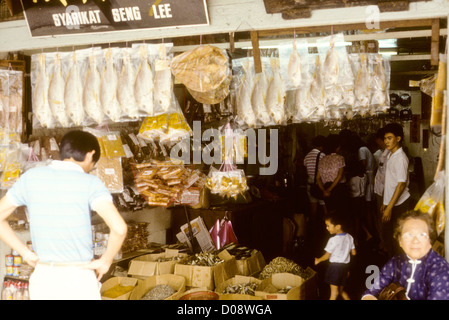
x=347, y=27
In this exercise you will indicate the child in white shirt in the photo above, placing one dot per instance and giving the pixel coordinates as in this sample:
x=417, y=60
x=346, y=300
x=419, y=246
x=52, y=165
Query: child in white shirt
x=338, y=251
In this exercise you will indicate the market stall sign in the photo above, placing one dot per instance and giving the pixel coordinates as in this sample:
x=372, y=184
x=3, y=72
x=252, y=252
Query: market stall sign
x=66, y=17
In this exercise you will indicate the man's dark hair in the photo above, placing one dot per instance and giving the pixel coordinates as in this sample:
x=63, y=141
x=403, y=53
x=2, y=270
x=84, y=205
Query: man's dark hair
x=76, y=144
x=394, y=128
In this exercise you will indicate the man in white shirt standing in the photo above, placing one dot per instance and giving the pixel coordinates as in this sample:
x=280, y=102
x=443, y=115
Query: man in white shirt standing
x=396, y=197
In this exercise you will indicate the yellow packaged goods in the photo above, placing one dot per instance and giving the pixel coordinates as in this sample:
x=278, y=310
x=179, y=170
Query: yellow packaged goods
x=112, y=144
x=10, y=174
x=202, y=69
x=164, y=127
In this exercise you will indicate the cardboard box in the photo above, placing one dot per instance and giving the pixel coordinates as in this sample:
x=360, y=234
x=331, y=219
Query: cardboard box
x=251, y=265
x=268, y=288
x=238, y=279
x=123, y=281
x=147, y=265
x=301, y=289
x=208, y=277
x=178, y=283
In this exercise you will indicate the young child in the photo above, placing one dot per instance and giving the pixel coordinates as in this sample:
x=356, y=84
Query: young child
x=338, y=251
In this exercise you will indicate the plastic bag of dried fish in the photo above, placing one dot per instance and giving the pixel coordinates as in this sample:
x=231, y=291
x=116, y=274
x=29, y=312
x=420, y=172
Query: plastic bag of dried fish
x=315, y=98
x=91, y=90
x=380, y=83
x=42, y=115
x=243, y=82
x=333, y=52
x=293, y=65
x=11, y=100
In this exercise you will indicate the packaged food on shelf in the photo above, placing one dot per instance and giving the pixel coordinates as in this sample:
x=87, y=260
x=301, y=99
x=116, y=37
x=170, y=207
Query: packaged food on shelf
x=109, y=170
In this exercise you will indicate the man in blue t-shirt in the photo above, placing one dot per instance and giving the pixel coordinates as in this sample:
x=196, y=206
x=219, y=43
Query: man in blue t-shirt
x=59, y=199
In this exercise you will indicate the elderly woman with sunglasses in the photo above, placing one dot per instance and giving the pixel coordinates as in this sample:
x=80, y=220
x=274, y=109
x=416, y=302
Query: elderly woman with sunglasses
x=420, y=270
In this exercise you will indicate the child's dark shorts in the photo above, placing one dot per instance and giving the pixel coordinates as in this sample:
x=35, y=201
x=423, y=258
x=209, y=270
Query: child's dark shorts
x=336, y=273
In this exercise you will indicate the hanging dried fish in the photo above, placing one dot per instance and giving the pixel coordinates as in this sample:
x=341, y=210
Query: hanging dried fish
x=317, y=96
x=56, y=94
x=378, y=85
x=41, y=106
x=259, y=97
x=276, y=96
x=73, y=93
x=331, y=67
x=361, y=86
x=91, y=92
x=144, y=85
x=243, y=103
x=108, y=89
x=294, y=67
x=125, y=89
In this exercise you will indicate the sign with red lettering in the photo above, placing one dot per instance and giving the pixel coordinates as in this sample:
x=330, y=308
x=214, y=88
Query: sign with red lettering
x=65, y=17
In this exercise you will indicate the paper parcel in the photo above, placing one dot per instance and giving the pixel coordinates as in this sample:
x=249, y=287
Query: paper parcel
x=117, y=288
x=155, y=264
x=281, y=286
x=174, y=281
x=208, y=277
x=200, y=232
